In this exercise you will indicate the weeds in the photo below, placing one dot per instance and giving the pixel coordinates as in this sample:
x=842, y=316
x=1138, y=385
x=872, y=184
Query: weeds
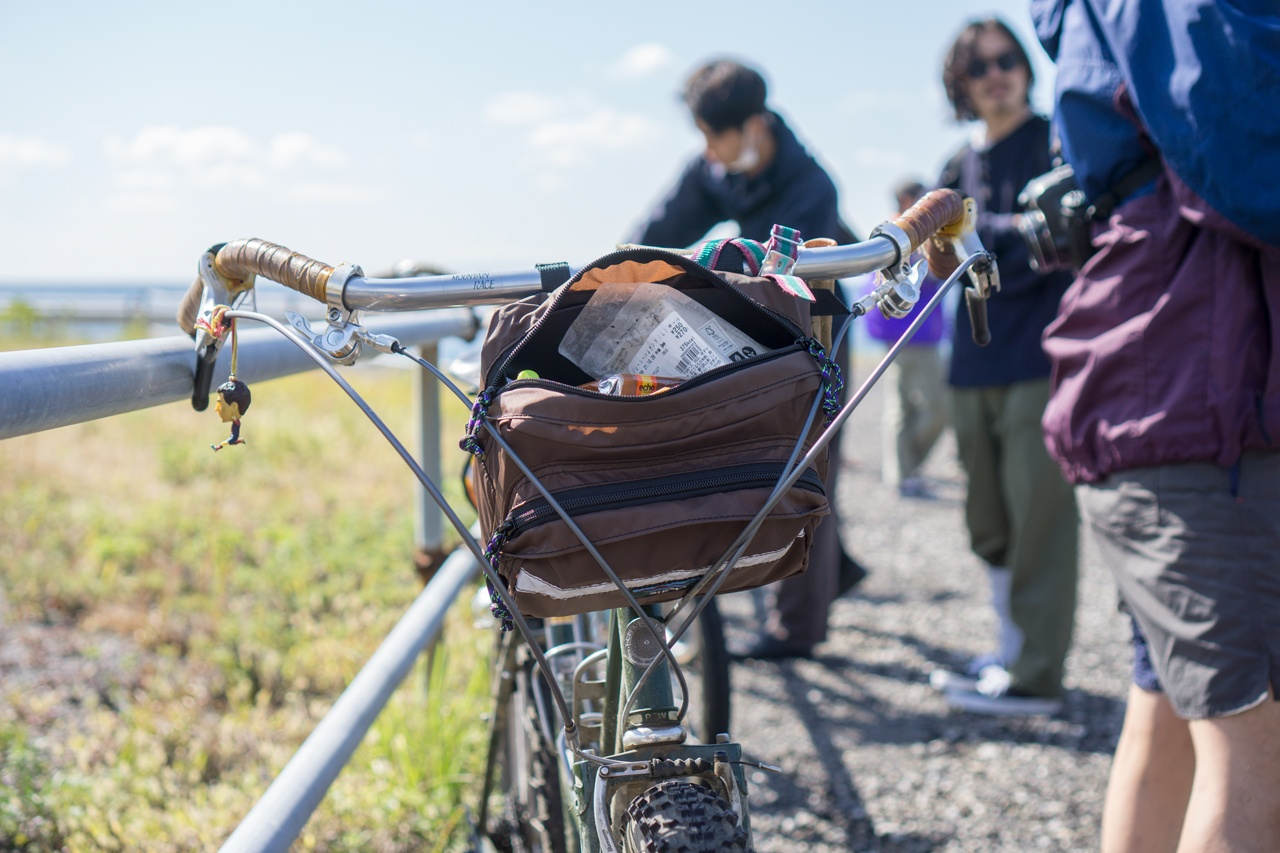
x=195, y=615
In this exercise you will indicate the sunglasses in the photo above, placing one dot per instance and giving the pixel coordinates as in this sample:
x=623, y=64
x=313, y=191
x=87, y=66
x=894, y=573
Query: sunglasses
x=979, y=67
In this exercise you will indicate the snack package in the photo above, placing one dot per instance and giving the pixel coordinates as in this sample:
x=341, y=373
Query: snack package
x=632, y=384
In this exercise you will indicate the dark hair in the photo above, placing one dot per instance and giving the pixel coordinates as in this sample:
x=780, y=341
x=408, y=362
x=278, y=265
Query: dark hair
x=909, y=187
x=236, y=392
x=723, y=94
x=955, y=68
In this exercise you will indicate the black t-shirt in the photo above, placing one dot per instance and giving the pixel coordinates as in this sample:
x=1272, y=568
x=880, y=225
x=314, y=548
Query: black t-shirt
x=1027, y=300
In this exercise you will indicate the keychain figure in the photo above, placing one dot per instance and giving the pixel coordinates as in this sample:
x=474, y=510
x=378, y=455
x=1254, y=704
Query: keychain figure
x=233, y=395
x=233, y=402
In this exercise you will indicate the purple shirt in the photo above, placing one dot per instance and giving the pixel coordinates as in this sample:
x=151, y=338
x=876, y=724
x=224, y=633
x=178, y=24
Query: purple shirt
x=888, y=330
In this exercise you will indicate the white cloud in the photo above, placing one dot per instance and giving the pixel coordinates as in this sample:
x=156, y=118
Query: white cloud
x=568, y=141
x=332, y=192
x=144, y=179
x=521, y=108
x=142, y=201
x=565, y=131
x=298, y=148
x=162, y=164
x=641, y=60
x=194, y=148
x=26, y=151
x=220, y=176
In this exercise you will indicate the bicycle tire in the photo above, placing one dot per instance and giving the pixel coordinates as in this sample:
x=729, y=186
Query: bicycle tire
x=675, y=816
x=534, y=811
x=713, y=712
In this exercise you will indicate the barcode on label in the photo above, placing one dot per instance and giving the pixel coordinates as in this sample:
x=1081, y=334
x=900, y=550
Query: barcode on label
x=695, y=359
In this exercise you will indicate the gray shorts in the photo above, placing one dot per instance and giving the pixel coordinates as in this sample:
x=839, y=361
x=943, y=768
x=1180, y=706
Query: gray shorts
x=1195, y=550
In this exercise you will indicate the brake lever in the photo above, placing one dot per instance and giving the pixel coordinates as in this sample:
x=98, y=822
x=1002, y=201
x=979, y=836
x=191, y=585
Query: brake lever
x=217, y=291
x=984, y=278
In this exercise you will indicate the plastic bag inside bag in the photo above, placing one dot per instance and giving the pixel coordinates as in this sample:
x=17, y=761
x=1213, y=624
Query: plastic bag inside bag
x=647, y=328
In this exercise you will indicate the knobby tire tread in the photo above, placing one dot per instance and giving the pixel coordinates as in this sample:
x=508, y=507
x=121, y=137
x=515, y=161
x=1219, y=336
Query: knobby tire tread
x=675, y=816
x=534, y=815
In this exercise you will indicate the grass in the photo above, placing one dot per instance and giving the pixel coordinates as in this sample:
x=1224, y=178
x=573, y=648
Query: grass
x=180, y=621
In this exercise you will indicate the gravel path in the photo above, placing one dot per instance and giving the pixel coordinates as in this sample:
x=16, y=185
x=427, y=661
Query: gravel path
x=872, y=757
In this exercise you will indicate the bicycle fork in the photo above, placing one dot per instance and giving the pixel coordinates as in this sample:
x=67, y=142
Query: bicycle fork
x=646, y=748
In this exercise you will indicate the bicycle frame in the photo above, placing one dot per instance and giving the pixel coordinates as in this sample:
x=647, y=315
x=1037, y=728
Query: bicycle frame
x=628, y=742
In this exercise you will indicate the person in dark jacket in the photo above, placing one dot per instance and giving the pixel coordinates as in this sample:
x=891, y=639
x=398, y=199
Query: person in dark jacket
x=753, y=171
x=1165, y=408
x=1019, y=510
x=756, y=173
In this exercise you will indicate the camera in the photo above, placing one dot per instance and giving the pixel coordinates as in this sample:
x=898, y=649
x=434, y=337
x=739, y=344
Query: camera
x=1056, y=221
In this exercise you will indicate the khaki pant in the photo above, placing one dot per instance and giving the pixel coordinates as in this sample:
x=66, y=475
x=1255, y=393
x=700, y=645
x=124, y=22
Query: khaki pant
x=1021, y=515
x=801, y=602
x=914, y=412
x=799, y=605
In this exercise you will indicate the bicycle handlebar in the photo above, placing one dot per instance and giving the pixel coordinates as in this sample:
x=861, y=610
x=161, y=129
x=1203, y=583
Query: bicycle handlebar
x=934, y=212
x=941, y=214
x=243, y=259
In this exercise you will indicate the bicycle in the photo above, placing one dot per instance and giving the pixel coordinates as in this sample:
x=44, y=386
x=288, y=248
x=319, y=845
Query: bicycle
x=589, y=739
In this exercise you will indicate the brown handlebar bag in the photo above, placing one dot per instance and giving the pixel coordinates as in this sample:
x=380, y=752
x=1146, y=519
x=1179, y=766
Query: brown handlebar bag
x=661, y=484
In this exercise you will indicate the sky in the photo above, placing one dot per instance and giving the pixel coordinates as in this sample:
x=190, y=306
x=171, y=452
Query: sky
x=476, y=136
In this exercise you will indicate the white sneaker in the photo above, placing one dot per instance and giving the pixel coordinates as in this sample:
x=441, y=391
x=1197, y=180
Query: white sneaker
x=994, y=693
x=966, y=679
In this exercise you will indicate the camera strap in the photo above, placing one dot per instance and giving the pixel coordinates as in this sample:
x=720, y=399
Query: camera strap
x=1145, y=172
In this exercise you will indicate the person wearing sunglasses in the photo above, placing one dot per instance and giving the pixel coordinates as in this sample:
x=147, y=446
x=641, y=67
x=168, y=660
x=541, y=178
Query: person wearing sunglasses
x=1020, y=512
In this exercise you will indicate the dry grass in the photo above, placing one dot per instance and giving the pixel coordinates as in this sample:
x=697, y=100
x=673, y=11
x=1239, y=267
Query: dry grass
x=174, y=623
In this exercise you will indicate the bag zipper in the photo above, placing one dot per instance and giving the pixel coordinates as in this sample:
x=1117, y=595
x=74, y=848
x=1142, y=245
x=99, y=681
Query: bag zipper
x=705, y=376
x=635, y=254
x=586, y=499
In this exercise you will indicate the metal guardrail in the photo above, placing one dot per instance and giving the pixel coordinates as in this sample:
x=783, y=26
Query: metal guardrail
x=47, y=388
x=53, y=387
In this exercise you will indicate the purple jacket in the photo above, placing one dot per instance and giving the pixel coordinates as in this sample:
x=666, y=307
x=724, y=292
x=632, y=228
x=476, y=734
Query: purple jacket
x=1167, y=346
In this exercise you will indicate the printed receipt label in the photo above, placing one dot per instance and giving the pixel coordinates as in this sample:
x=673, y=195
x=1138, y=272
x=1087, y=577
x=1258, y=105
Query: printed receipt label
x=730, y=347
x=673, y=348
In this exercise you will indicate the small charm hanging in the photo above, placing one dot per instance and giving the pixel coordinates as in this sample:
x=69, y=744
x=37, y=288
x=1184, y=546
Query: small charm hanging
x=233, y=402
x=233, y=395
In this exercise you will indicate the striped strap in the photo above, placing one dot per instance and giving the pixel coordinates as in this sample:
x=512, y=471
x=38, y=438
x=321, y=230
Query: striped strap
x=793, y=285
x=708, y=254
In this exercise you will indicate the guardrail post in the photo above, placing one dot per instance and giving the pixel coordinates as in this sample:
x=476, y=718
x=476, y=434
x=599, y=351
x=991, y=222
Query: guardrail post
x=428, y=521
x=428, y=530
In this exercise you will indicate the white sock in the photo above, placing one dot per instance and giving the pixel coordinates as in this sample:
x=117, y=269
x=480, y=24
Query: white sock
x=1009, y=635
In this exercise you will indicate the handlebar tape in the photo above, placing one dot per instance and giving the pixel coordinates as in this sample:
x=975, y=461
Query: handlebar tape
x=934, y=211
x=243, y=259
x=942, y=258
x=190, y=307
